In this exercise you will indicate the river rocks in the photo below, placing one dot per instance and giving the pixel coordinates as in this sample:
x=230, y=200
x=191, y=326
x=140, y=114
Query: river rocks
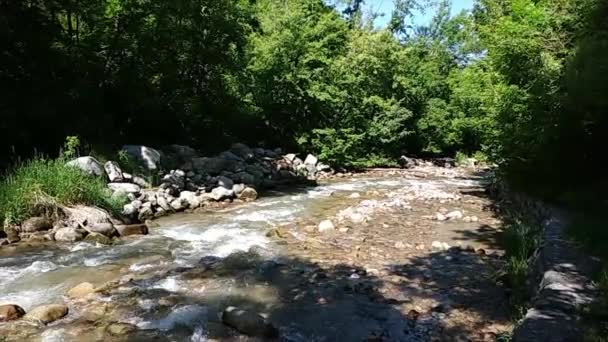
x=147, y=157
x=68, y=234
x=225, y=182
x=242, y=151
x=133, y=229
x=47, y=313
x=248, y=322
x=81, y=290
x=326, y=226
x=12, y=235
x=311, y=160
x=238, y=188
x=126, y=188
x=87, y=164
x=453, y=215
x=190, y=199
x=440, y=246
x=10, y=312
x=221, y=193
x=98, y=238
x=248, y=194
x=120, y=329
x=36, y=224
x=113, y=171
x=214, y=166
x=145, y=212
x=106, y=229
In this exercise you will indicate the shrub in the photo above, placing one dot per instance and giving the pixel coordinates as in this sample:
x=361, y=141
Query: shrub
x=40, y=185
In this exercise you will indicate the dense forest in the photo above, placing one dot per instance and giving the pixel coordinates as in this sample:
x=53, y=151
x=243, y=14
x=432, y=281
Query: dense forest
x=521, y=82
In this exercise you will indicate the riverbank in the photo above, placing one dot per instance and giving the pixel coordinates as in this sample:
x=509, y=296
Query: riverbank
x=388, y=262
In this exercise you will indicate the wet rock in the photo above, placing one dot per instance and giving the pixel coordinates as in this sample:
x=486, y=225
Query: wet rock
x=113, y=171
x=147, y=157
x=126, y=188
x=276, y=233
x=98, y=238
x=87, y=164
x=36, y=224
x=248, y=194
x=12, y=235
x=106, y=229
x=248, y=322
x=221, y=193
x=47, y=313
x=4, y=242
x=10, y=312
x=326, y=226
x=81, y=290
x=120, y=329
x=133, y=229
x=68, y=234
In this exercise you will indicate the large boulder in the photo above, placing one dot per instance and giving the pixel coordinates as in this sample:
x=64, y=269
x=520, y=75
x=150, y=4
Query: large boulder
x=47, y=313
x=98, y=238
x=145, y=212
x=214, y=166
x=126, y=188
x=113, y=171
x=81, y=215
x=10, y=312
x=248, y=322
x=221, y=193
x=183, y=152
x=248, y=194
x=190, y=198
x=68, y=234
x=225, y=182
x=36, y=224
x=87, y=164
x=148, y=157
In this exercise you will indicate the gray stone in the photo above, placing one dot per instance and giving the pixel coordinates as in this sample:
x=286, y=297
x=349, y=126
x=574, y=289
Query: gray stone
x=323, y=167
x=178, y=204
x=184, y=152
x=140, y=181
x=221, y=193
x=47, y=313
x=242, y=151
x=225, y=182
x=454, y=215
x=145, y=212
x=89, y=165
x=214, y=166
x=98, y=238
x=146, y=156
x=113, y=171
x=68, y=234
x=230, y=156
x=126, y=188
x=290, y=157
x=36, y=224
x=162, y=202
x=248, y=322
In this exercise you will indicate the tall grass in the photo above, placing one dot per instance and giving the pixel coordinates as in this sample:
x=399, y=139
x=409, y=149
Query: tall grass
x=40, y=184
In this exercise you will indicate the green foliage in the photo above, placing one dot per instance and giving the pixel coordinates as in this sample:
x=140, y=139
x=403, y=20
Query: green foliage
x=39, y=186
x=71, y=147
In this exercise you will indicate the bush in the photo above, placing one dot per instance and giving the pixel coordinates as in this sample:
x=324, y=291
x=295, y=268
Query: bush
x=38, y=185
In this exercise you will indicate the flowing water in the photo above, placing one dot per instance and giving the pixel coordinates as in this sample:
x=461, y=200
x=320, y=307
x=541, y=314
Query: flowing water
x=348, y=284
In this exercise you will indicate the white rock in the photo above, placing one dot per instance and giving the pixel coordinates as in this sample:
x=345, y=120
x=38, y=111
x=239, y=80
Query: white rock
x=248, y=194
x=178, y=204
x=162, y=202
x=440, y=217
x=311, y=160
x=290, y=157
x=68, y=235
x=326, y=226
x=453, y=215
x=474, y=219
x=354, y=195
x=89, y=165
x=437, y=245
x=221, y=193
x=238, y=188
x=190, y=198
x=113, y=171
x=127, y=188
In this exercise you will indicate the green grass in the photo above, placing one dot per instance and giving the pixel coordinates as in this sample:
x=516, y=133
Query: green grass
x=39, y=186
x=520, y=240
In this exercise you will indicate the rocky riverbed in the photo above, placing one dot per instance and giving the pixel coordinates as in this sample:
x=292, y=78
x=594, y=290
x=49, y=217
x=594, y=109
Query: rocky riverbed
x=401, y=255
